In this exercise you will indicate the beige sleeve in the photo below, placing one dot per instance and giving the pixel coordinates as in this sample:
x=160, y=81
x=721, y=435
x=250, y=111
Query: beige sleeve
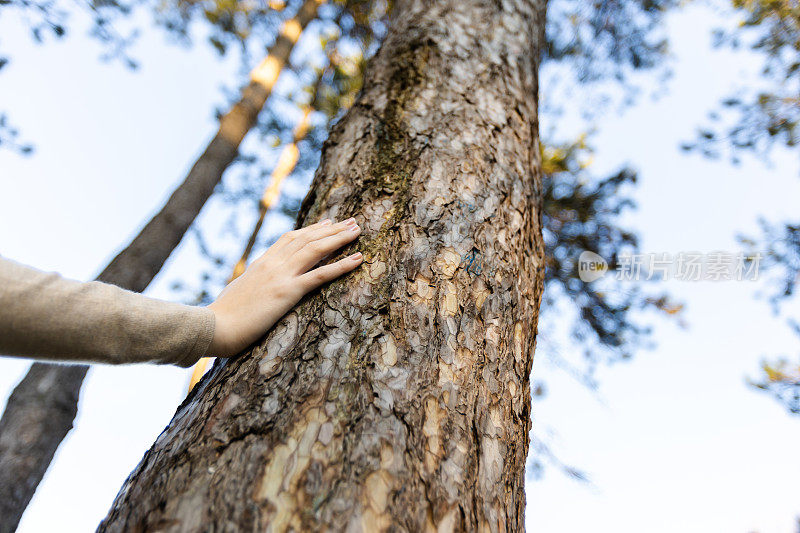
x=45, y=316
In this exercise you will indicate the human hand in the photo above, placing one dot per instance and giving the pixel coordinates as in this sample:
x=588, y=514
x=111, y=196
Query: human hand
x=276, y=281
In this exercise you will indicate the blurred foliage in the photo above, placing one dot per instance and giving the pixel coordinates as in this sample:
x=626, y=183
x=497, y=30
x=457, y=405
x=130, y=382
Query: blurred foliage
x=604, y=40
x=755, y=120
x=43, y=18
x=47, y=20
x=782, y=379
x=779, y=246
x=9, y=137
x=582, y=212
x=597, y=53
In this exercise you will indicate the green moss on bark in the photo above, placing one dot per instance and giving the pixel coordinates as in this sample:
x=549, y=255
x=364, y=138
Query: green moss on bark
x=396, y=152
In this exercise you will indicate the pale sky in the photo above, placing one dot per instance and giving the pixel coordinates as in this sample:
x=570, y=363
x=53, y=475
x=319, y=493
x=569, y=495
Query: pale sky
x=674, y=441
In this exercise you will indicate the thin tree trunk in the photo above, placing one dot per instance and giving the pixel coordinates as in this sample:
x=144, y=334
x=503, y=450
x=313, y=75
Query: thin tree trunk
x=41, y=409
x=398, y=397
x=38, y=416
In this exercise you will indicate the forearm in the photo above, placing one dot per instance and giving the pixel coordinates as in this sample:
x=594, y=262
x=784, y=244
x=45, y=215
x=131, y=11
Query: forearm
x=45, y=316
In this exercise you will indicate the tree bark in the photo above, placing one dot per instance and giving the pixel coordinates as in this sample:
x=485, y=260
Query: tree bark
x=41, y=409
x=38, y=416
x=397, y=397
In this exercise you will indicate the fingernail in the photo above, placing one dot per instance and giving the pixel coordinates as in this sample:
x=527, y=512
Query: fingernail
x=355, y=228
x=356, y=256
x=350, y=221
x=326, y=222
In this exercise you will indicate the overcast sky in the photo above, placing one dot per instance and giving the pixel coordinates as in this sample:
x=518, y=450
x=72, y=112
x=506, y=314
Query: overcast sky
x=673, y=441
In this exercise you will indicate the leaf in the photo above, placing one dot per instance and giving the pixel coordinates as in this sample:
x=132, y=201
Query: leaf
x=219, y=46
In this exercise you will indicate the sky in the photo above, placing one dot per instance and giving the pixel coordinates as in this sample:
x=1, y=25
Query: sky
x=674, y=440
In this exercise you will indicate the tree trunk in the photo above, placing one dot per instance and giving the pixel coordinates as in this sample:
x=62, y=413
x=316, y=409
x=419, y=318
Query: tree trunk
x=38, y=416
x=41, y=409
x=398, y=397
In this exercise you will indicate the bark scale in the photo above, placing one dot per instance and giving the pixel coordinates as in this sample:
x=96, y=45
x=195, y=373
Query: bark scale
x=397, y=397
x=42, y=407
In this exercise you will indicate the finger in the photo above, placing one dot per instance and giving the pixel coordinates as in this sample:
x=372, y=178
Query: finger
x=314, y=233
x=319, y=276
x=289, y=237
x=313, y=252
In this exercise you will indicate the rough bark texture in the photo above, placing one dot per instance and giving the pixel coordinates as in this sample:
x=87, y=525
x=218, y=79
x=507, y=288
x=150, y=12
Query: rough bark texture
x=397, y=397
x=41, y=409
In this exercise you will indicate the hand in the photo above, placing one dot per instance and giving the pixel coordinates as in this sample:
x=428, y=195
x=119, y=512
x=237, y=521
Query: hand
x=276, y=281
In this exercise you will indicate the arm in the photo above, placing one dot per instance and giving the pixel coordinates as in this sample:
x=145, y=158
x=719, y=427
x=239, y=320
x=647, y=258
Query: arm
x=45, y=316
